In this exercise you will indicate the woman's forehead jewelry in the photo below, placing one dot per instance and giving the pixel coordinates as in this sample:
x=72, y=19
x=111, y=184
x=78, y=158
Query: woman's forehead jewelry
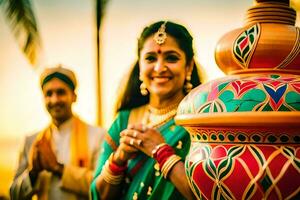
x=160, y=36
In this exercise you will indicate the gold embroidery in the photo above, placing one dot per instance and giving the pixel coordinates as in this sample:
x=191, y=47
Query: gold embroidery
x=135, y=196
x=110, y=141
x=179, y=145
x=157, y=170
x=149, y=190
x=172, y=128
x=157, y=173
x=156, y=166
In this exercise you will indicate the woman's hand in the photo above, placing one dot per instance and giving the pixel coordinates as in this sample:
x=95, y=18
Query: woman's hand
x=146, y=140
x=142, y=138
x=125, y=151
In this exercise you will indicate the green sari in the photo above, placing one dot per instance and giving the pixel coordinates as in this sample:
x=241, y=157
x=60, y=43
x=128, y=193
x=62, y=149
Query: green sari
x=142, y=180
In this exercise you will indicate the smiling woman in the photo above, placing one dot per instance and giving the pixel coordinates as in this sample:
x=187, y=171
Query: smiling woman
x=163, y=70
x=144, y=150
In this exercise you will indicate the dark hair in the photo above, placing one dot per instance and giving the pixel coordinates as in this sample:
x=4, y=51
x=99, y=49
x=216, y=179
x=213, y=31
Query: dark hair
x=131, y=96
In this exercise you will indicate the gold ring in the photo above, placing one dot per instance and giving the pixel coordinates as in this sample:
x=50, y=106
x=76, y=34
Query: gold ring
x=139, y=142
x=134, y=134
x=131, y=142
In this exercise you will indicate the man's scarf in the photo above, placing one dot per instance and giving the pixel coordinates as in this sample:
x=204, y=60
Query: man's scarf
x=78, y=143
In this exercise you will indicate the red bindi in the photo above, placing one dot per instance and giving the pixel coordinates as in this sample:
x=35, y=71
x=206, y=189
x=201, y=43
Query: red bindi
x=158, y=51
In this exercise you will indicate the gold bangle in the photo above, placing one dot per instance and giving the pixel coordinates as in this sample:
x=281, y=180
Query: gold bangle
x=109, y=177
x=156, y=148
x=168, y=165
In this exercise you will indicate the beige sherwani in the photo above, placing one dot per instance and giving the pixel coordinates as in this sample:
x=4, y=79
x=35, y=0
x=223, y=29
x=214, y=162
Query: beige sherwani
x=75, y=181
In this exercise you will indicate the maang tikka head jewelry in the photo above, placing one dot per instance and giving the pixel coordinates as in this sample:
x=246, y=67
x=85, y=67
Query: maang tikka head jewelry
x=160, y=36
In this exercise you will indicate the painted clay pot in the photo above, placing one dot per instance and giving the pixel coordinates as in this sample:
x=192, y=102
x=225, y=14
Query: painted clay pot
x=245, y=127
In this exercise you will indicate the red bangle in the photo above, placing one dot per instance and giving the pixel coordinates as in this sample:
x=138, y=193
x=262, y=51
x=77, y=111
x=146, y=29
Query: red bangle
x=155, y=150
x=116, y=169
x=163, y=154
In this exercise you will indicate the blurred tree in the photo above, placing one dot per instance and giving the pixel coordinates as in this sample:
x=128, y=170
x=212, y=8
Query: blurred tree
x=100, y=8
x=22, y=22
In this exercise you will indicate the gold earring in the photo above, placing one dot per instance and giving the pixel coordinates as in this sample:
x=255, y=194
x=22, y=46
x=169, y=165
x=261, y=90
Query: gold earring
x=143, y=89
x=188, y=85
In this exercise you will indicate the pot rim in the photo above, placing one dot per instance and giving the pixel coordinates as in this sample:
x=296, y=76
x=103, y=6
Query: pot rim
x=241, y=119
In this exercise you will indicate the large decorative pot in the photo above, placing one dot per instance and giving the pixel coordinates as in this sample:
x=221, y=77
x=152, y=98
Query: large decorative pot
x=245, y=127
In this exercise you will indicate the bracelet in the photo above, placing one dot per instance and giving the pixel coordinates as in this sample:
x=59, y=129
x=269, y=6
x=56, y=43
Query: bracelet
x=170, y=162
x=163, y=154
x=115, y=168
x=156, y=148
x=109, y=177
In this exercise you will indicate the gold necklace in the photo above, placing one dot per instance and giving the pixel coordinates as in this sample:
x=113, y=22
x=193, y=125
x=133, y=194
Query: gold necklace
x=155, y=117
x=158, y=120
x=162, y=111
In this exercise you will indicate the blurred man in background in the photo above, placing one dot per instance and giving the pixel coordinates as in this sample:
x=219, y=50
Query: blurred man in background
x=58, y=162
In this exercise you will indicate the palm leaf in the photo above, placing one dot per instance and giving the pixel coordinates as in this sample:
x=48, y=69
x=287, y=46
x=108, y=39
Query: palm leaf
x=101, y=4
x=22, y=22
